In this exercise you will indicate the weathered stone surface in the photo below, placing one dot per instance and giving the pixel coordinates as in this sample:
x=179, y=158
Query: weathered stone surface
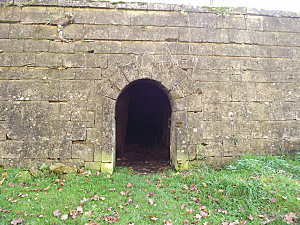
x=231, y=76
x=62, y=168
x=83, y=151
x=92, y=165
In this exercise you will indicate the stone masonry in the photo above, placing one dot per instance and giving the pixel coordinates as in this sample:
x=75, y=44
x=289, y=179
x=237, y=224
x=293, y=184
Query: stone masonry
x=231, y=75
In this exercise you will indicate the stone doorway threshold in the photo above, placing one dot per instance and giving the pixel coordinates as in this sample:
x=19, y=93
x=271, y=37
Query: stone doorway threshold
x=144, y=159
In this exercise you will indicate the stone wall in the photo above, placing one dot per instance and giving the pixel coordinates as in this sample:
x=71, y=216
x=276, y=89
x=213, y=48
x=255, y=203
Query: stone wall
x=232, y=75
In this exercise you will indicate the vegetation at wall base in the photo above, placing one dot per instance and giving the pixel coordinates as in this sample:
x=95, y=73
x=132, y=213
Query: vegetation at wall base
x=252, y=190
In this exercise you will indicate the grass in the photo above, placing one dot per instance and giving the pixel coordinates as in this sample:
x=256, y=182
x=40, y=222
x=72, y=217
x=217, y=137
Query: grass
x=255, y=189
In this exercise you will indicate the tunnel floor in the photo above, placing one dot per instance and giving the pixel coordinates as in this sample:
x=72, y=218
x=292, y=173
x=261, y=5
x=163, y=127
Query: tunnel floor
x=144, y=159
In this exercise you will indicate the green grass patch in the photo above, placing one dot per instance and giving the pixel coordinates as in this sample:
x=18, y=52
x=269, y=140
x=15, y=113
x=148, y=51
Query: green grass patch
x=254, y=189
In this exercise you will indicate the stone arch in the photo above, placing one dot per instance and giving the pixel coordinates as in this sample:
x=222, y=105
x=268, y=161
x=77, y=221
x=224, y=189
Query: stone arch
x=175, y=83
x=143, y=121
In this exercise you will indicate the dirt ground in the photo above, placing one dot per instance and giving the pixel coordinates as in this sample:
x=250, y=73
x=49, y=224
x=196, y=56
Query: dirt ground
x=144, y=159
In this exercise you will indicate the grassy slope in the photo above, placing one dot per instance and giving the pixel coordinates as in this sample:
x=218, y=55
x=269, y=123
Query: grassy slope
x=265, y=188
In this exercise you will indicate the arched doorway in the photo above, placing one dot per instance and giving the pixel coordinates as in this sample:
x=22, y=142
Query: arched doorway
x=143, y=113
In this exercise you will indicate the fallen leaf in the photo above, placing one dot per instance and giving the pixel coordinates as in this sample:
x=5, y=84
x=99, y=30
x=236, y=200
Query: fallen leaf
x=190, y=210
x=79, y=209
x=193, y=187
x=22, y=196
x=150, y=194
x=64, y=217
x=198, y=216
x=250, y=217
x=151, y=201
x=56, y=212
x=182, y=206
x=95, y=198
x=129, y=201
x=290, y=218
x=16, y=221
x=195, y=199
x=204, y=184
x=153, y=218
x=220, y=191
x=221, y=211
x=129, y=185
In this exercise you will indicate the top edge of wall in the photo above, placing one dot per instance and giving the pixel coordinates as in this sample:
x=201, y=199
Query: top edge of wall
x=150, y=7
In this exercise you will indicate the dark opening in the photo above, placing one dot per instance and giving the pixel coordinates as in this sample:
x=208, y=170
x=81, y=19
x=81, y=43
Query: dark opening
x=142, y=126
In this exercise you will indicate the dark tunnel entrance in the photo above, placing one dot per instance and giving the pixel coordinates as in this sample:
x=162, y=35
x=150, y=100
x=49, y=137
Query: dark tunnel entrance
x=143, y=113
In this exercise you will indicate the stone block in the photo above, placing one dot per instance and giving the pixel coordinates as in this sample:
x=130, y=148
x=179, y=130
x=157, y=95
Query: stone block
x=291, y=40
x=143, y=33
x=25, y=90
x=107, y=89
x=23, y=59
x=257, y=111
x=217, y=130
x=92, y=165
x=254, y=22
x=291, y=129
x=34, y=15
x=35, y=149
x=7, y=45
x=36, y=45
x=76, y=132
x=83, y=151
x=252, y=37
x=98, y=153
x=59, y=111
x=265, y=146
x=107, y=167
x=203, y=35
x=107, y=153
x=210, y=148
x=100, y=16
x=280, y=24
x=77, y=60
x=50, y=60
x=60, y=149
x=291, y=146
x=86, y=73
x=4, y=30
x=5, y=110
x=62, y=168
x=96, y=61
x=215, y=92
x=243, y=91
x=10, y=14
x=61, y=47
x=174, y=19
x=98, y=46
x=28, y=121
x=283, y=110
x=5, y=59
x=13, y=149
x=94, y=136
x=3, y=130
x=2, y=134
x=19, y=31
x=74, y=31
x=95, y=32
x=76, y=89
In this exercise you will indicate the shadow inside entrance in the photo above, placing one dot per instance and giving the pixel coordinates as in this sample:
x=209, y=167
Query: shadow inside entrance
x=143, y=113
x=144, y=159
